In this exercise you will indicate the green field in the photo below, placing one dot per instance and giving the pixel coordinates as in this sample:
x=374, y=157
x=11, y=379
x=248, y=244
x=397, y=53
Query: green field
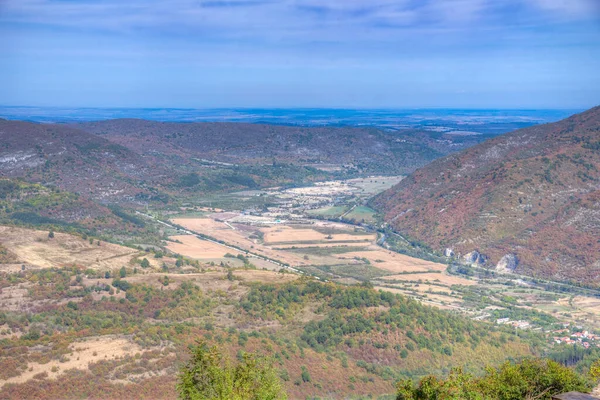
x=329, y=212
x=361, y=214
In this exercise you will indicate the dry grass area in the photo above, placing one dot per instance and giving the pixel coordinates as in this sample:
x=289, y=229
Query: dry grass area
x=442, y=278
x=193, y=247
x=582, y=308
x=214, y=280
x=34, y=248
x=394, y=262
x=211, y=280
x=424, y=288
x=285, y=234
x=82, y=354
x=199, y=224
x=438, y=301
x=321, y=245
x=15, y=298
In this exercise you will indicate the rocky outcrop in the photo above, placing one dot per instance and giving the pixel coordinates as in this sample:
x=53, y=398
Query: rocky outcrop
x=449, y=253
x=475, y=257
x=508, y=263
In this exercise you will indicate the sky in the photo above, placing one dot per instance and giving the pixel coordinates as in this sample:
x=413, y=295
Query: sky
x=300, y=53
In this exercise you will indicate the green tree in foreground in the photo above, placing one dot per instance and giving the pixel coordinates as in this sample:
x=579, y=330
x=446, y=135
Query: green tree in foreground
x=528, y=379
x=210, y=376
x=595, y=370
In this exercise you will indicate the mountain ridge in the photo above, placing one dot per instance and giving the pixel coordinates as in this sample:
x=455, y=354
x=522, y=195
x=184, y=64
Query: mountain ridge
x=248, y=143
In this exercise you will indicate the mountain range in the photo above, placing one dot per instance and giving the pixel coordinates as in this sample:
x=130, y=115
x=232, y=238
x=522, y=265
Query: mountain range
x=134, y=161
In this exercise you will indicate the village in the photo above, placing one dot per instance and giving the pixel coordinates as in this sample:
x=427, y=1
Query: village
x=575, y=335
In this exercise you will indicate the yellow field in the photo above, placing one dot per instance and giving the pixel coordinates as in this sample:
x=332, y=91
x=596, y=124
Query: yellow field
x=193, y=247
x=216, y=230
x=237, y=238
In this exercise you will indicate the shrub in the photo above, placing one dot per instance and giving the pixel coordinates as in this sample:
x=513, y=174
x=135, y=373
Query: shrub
x=528, y=379
x=305, y=375
x=209, y=375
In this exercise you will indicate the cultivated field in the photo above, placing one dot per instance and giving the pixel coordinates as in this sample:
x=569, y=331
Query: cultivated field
x=287, y=235
x=319, y=244
x=441, y=278
x=193, y=247
x=394, y=262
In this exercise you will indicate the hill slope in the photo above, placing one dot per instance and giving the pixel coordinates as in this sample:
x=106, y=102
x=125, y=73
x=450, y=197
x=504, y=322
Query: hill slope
x=74, y=332
x=73, y=160
x=366, y=149
x=133, y=161
x=529, y=200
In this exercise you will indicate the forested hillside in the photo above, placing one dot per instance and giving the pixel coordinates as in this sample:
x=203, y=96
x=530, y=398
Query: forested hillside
x=527, y=201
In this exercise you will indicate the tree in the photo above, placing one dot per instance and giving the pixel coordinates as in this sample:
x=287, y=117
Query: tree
x=51, y=234
x=595, y=370
x=145, y=263
x=528, y=379
x=179, y=263
x=305, y=375
x=107, y=275
x=210, y=376
x=122, y=272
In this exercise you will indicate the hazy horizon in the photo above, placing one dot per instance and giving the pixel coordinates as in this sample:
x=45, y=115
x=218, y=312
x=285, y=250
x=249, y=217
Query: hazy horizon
x=474, y=121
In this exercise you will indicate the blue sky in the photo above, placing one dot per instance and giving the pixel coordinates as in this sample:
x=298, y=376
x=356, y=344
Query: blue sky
x=300, y=53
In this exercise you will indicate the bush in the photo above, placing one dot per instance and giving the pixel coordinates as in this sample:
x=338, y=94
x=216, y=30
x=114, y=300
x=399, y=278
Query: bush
x=121, y=284
x=305, y=375
x=208, y=375
x=528, y=379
